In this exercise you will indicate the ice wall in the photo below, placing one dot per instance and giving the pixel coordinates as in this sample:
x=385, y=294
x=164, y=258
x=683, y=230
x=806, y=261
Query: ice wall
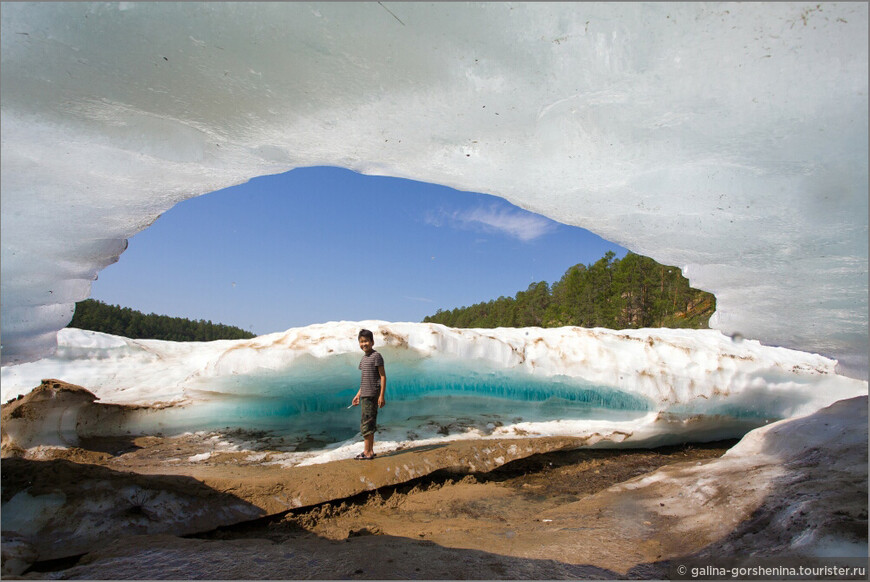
x=451, y=383
x=728, y=139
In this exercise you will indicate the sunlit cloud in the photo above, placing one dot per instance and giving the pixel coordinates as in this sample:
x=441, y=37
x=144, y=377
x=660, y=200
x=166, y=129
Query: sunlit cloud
x=420, y=299
x=516, y=223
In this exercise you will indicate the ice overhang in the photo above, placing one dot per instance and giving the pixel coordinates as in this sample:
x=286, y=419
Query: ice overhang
x=728, y=139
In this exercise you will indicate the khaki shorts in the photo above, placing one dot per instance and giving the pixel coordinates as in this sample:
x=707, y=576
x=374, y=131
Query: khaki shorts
x=368, y=423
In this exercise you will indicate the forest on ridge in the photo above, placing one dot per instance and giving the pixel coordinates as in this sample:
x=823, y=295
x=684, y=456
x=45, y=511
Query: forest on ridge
x=631, y=292
x=95, y=315
x=627, y=293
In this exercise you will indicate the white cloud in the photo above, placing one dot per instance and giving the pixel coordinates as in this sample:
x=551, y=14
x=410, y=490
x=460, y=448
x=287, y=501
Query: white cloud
x=419, y=299
x=512, y=222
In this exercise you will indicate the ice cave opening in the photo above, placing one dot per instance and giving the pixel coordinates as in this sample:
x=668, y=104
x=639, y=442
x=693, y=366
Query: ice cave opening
x=193, y=247
x=325, y=243
x=208, y=251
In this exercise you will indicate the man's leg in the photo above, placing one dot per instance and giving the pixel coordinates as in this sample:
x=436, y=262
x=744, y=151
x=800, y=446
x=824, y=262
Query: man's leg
x=368, y=424
x=369, y=448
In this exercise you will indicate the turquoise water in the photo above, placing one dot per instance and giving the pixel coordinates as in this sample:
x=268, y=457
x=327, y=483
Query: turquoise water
x=422, y=395
x=426, y=398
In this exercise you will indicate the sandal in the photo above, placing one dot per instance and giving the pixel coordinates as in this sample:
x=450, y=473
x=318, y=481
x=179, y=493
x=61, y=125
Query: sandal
x=363, y=457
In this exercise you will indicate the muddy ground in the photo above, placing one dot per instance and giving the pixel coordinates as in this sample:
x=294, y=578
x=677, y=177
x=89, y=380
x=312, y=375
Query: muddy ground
x=441, y=526
x=460, y=511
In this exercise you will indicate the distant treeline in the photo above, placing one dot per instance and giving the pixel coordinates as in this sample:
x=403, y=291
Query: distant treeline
x=95, y=315
x=631, y=292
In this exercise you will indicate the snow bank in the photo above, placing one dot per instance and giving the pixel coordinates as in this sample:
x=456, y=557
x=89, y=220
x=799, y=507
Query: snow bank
x=443, y=383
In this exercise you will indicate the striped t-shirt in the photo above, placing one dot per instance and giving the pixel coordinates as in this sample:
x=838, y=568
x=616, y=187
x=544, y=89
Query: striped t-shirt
x=370, y=380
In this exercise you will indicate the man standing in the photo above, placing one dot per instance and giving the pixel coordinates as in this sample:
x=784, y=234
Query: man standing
x=371, y=394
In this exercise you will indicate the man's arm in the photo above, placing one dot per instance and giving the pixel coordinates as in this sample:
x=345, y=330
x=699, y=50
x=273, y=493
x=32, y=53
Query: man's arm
x=382, y=399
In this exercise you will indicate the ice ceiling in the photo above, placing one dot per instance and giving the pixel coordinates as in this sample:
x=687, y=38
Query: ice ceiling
x=729, y=139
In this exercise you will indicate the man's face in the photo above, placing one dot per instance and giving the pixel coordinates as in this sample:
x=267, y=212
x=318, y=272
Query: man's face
x=366, y=344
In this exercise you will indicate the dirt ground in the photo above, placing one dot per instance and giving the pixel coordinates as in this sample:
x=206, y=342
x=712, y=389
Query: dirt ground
x=441, y=526
x=464, y=511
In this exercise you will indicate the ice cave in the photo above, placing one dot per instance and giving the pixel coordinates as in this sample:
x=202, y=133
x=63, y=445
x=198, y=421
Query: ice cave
x=728, y=139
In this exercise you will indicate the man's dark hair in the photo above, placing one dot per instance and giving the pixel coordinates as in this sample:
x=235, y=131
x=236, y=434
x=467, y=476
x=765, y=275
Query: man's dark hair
x=366, y=334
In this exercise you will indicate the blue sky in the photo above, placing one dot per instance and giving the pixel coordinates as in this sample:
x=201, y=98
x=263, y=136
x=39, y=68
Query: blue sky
x=327, y=244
